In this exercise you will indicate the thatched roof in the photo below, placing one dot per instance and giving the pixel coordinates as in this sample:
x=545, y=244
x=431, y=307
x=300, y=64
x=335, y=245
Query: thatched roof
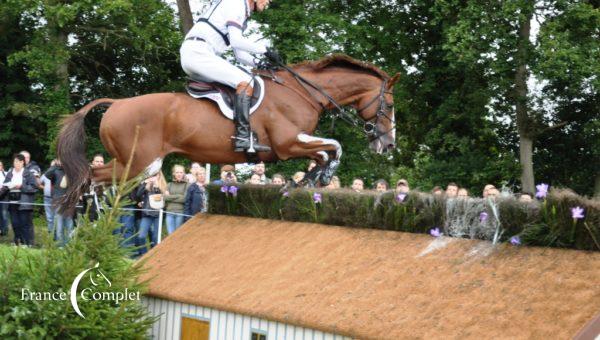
x=376, y=284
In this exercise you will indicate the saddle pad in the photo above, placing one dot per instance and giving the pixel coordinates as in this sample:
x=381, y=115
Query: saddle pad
x=226, y=101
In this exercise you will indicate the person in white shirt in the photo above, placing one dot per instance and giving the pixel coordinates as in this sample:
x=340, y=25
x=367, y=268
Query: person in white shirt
x=21, y=185
x=219, y=28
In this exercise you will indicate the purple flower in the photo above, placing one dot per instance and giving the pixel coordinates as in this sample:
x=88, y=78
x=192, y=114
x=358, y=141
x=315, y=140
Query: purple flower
x=286, y=194
x=435, y=232
x=233, y=190
x=483, y=217
x=542, y=190
x=515, y=241
x=224, y=189
x=317, y=197
x=577, y=213
x=400, y=197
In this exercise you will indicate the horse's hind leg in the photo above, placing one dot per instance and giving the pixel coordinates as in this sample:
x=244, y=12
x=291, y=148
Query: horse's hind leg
x=105, y=173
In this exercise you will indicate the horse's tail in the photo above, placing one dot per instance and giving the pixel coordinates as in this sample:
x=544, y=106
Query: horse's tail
x=70, y=149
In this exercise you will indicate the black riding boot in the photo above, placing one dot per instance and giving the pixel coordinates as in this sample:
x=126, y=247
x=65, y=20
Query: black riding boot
x=245, y=140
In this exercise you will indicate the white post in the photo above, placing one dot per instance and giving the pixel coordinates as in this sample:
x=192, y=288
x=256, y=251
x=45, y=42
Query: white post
x=207, y=173
x=160, y=224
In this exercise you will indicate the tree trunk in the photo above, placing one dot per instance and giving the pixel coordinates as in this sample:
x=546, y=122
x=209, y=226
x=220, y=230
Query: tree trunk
x=526, y=135
x=597, y=186
x=185, y=15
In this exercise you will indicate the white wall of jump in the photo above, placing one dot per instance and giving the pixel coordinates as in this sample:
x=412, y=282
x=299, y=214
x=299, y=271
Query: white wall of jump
x=223, y=325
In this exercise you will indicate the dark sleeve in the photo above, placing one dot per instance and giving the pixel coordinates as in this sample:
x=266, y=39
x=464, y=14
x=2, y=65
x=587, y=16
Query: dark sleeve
x=50, y=174
x=8, y=177
x=139, y=192
x=29, y=184
x=187, y=205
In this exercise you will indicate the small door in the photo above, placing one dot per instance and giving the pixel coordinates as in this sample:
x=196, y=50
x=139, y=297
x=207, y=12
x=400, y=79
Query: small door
x=194, y=329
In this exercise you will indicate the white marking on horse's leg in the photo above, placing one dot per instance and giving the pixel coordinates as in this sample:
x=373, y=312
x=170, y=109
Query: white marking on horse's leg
x=153, y=168
x=304, y=138
x=324, y=156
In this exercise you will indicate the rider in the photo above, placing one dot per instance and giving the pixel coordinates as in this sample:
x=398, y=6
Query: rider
x=218, y=28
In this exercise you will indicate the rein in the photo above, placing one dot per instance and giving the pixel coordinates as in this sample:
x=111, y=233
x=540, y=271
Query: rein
x=370, y=128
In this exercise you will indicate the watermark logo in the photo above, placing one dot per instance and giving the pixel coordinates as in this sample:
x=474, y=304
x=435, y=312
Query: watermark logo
x=93, y=293
x=75, y=285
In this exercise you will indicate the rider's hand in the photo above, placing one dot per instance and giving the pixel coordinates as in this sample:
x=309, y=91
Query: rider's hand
x=273, y=56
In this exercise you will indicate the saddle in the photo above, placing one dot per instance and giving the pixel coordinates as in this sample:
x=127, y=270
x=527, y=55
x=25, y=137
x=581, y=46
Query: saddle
x=224, y=96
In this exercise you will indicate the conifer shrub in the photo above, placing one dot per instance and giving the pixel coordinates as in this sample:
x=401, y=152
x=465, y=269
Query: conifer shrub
x=52, y=269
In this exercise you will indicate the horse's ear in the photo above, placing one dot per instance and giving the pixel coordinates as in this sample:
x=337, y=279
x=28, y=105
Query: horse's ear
x=393, y=81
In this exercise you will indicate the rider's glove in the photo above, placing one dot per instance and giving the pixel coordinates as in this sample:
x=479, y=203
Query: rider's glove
x=273, y=56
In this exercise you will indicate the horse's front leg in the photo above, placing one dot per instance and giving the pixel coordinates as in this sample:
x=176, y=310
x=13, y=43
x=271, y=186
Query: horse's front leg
x=328, y=156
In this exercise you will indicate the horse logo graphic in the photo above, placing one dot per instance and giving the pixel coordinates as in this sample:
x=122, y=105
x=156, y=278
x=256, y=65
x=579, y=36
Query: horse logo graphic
x=96, y=275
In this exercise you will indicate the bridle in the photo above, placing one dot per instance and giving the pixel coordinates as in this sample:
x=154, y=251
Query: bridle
x=370, y=127
x=383, y=111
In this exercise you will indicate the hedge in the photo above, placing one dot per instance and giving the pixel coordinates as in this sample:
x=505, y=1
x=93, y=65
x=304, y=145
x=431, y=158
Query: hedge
x=548, y=222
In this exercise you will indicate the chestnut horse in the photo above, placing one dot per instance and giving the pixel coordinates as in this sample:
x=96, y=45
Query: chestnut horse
x=177, y=123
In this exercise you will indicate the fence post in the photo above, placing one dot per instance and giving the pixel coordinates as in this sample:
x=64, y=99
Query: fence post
x=160, y=224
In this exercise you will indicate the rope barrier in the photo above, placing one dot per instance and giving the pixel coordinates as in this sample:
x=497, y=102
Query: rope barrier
x=160, y=216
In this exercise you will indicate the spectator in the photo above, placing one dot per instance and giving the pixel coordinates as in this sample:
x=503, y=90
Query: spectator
x=437, y=191
x=311, y=164
x=335, y=183
x=259, y=169
x=381, y=185
x=486, y=189
x=255, y=179
x=97, y=160
x=493, y=193
x=402, y=186
x=227, y=175
x=278, y=179
x=21, y=185
x=175, y=198
x=526, y=197
x=63, y=223
x=451, y=190
x=196, y=197
x=358, y=185
x=3, y=206
x=31, y=165
x=48, y=208
x=153, y=189
x=191, y=177
x=298, y=176
x=93, y=202
x=463, y=193
x=128, y=227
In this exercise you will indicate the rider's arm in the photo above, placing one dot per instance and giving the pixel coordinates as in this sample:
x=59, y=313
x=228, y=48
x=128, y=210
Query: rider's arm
x=244, y=57
x=239, y=42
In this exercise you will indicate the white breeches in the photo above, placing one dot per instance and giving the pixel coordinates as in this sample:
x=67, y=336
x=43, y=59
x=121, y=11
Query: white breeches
x=199, y=62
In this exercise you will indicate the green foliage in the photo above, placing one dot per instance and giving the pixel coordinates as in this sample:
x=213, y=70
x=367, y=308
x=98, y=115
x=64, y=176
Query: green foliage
x=55, y=56
x=53, y=269
x=545, y=224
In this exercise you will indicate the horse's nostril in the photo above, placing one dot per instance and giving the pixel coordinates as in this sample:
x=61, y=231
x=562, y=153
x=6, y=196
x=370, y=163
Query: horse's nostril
x=390, y=146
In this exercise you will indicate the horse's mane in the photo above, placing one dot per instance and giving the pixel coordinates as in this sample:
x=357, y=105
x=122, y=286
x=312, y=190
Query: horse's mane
x=342, y=60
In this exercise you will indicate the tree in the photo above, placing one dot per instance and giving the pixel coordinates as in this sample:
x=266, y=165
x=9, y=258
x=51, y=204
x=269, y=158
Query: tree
x=80, y=50
x=186, y=20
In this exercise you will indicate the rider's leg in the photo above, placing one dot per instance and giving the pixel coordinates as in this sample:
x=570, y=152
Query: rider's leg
x=201, y=64
x=243, y=140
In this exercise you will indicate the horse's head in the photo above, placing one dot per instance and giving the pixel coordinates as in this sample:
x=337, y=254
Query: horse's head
x=376, y=108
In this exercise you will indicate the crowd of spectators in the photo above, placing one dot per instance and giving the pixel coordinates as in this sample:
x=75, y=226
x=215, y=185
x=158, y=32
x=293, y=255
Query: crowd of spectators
x=179, y=199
